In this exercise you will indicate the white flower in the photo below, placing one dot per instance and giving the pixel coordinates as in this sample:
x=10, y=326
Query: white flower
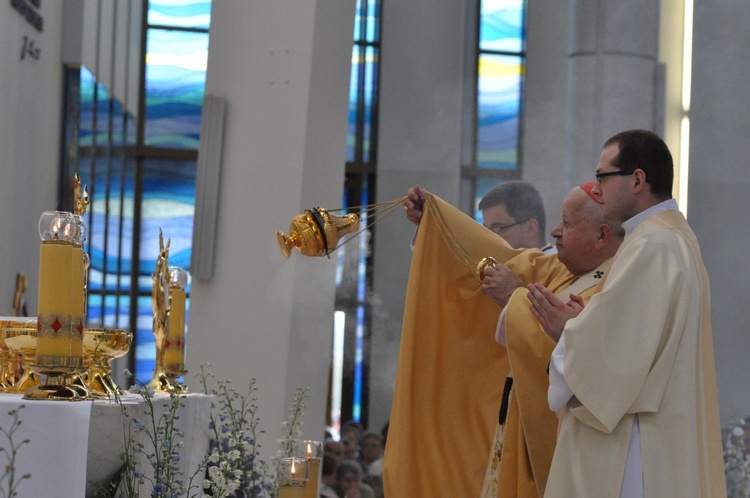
x=737, y=431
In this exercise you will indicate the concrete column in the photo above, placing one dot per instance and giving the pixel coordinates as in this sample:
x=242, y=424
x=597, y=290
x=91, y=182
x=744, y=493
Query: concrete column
x=421, y=84
x=283, y=68
x=614, y=77
x=718, y=186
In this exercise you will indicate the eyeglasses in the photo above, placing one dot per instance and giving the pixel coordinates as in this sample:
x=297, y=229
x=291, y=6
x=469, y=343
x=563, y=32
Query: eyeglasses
x=497, y=228
x=620, y=172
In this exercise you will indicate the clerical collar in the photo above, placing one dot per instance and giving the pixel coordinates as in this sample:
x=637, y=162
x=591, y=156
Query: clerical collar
x=636, y=220
x=549, y=249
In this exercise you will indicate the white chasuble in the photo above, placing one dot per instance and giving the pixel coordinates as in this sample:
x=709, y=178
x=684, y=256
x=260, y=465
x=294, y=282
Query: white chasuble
x=643, y=346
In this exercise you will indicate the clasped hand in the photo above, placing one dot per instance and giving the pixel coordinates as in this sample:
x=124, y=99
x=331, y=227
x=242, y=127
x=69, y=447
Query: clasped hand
x=550, y=311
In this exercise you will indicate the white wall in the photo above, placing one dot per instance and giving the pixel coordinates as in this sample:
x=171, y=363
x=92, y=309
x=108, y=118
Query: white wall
x=30, y=103
x=283, y=68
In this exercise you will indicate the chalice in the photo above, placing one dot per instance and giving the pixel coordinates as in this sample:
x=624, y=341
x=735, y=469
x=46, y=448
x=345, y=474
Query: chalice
x=20, y=338
x=10, y=361
x=100, y=347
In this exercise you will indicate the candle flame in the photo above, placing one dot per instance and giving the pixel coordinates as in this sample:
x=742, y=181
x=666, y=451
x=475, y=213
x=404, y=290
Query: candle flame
x=293, y=469
x=309, y=450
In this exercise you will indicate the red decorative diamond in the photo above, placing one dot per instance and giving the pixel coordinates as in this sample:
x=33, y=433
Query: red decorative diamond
x=167, y=343
x=80, y=328
x=56, y=326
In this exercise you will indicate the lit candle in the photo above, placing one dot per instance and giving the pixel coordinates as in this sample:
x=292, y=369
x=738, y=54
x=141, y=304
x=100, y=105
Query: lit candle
x=54, y=338
x=314, y=454
x=78, y=279
x=292, y=477
x=174, y=355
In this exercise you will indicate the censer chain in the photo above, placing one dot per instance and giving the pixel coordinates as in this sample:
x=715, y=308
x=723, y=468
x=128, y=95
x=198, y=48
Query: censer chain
x=384, y=209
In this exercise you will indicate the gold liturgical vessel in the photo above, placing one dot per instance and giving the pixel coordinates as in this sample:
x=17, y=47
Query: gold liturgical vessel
x=100, y=347
x=162, y=380
x=317, y=232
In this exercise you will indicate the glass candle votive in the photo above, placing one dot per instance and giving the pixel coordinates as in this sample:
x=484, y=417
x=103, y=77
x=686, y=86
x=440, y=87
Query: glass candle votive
x=313, y=453
x=292, y=477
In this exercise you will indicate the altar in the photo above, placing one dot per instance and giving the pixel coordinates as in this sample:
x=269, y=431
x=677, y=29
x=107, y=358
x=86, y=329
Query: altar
x=69, y=448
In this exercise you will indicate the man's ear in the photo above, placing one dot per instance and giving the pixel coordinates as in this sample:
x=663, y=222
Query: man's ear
x=532, y=228
x=639, y=180
x=605, y=234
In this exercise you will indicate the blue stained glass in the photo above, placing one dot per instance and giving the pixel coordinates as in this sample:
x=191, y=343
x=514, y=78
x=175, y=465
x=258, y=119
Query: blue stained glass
x=175, y=84
x=168, y=204
x=501, y=25
x=498, y=108
x=144, y=344
x=354, y=85
x=180, y=13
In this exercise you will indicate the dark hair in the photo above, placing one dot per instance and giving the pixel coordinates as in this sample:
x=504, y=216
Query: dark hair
x=521, y=200
x=645, y=150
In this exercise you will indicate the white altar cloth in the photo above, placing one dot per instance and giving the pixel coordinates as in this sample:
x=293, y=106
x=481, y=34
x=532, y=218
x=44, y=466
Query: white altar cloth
x=72, y=443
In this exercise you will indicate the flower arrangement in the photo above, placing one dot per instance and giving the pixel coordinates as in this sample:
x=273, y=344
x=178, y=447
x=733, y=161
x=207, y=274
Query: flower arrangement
x=8, y=482
x=737, y=459
x=235, y=468
x=156, y=440
x=293, y=426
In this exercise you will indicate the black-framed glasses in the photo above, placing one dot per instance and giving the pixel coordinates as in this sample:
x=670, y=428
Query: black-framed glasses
x=619, y=172
x=498, y=228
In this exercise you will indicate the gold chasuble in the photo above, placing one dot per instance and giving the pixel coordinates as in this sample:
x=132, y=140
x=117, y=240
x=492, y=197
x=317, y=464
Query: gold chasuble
x=450, y=369
x=522, y=452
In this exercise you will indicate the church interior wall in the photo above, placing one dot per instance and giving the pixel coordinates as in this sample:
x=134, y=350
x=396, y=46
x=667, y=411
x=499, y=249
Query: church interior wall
x=264, y=317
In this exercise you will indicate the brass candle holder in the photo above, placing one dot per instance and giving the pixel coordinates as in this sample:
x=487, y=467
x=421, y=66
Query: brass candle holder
x=100, y=347
x=174, y=347
x=161, y=381
x=59, y=349
x=20, y=338
x=11, y=370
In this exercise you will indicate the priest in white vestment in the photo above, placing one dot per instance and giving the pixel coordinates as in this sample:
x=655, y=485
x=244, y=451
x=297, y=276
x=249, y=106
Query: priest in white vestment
x=632, y=375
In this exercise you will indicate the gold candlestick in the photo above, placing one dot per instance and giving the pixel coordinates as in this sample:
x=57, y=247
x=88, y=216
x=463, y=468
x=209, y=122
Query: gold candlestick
x=59, y=349
x=161, y=381
x=175, y=345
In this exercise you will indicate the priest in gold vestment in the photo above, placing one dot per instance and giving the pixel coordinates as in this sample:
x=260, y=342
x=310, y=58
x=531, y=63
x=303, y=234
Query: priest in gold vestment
x=446, y=396
x=633, y=374
x=525, y=439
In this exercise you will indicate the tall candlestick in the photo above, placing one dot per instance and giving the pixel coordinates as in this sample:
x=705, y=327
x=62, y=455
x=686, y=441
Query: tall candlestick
x=56, y=345
x=175, y=345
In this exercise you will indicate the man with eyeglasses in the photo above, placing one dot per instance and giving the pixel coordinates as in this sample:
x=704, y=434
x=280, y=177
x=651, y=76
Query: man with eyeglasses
x=513, y=210
x=526, y=429
x=632, y=376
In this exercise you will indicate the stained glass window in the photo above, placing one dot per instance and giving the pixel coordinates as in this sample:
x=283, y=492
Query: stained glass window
x=139, y=187
x=351, y=353
x=499, y=94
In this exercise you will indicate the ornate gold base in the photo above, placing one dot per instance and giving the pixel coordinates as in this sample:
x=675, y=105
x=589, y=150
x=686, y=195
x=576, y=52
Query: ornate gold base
x=164, y=382
x=59, y=387
x=58, y=393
